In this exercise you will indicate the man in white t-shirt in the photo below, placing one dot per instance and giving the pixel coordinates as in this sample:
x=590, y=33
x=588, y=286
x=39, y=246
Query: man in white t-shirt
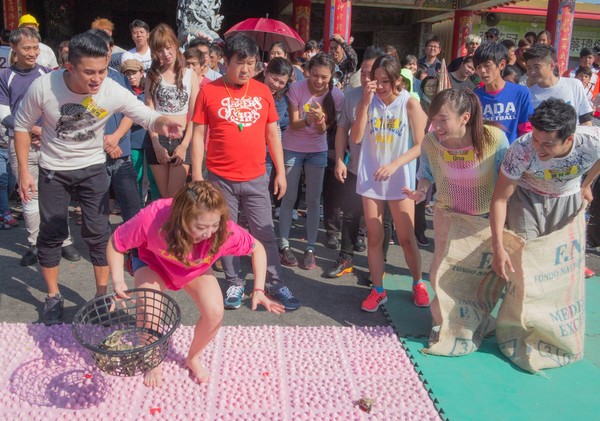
x=47, y=58
x=74, y=106
x=140, y=33
x=541, y=61
x=539, y=186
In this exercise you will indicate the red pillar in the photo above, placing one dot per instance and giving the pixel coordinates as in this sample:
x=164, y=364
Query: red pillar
x=338, y=16
x=560, y=24
x=13, y=10
x=463, y=27
x=301, y=18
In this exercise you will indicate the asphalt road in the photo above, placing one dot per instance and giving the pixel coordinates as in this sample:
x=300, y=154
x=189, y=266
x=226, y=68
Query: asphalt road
x=325, y=302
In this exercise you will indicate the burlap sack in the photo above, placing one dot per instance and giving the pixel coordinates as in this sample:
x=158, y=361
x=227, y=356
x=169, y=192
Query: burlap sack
x=541, y=323
x=466, y=287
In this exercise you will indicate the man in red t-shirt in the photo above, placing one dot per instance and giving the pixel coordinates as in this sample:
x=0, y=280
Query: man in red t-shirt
x=240, y=113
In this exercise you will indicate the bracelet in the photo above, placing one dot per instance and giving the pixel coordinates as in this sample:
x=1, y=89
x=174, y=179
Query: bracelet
x=255, y=290
x=306, y=122
x=322, y=120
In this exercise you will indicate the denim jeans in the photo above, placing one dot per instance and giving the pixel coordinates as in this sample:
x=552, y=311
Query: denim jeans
x=7, y=181
x=314, y=164
x=123, y=179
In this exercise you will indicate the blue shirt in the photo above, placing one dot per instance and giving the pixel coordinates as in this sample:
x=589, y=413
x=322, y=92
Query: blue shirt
x=510, y=107
x=115, y=119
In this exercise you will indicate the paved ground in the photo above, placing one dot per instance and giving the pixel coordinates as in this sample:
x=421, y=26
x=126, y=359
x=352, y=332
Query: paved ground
x=325, y=302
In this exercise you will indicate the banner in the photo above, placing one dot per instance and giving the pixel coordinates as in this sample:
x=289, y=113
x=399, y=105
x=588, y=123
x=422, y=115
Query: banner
x=13, y=10
x=583, y=36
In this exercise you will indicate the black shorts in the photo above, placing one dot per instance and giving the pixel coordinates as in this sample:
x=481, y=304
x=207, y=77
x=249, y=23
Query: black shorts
x=169, y=145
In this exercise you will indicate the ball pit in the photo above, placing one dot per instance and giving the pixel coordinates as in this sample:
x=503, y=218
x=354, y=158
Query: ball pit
x=257, y=373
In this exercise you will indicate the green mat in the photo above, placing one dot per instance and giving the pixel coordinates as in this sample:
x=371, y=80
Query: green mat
x=485, y=385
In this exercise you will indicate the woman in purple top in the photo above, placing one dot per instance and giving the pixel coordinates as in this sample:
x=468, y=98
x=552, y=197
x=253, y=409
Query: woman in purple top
x=313, y=107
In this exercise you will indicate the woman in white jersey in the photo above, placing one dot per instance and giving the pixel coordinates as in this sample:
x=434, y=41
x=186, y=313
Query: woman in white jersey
x=390, y=124
x=171, y=89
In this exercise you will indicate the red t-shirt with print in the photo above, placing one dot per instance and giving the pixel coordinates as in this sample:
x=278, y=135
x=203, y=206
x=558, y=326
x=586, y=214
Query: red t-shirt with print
x=237, y=122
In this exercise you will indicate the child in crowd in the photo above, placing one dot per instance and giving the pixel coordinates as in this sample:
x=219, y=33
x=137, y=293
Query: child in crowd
x=134, y=72
x=394, y=124
x=177, y=240
x=277, y=76
x=585, y=75
x=462, y=156
x=278, y=49
x=171, y=89
x=411, y=63
x=314, y=105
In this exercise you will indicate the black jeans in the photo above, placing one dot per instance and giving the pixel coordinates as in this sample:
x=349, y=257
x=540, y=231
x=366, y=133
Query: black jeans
x=353, y=211
x=55, y=189
x=332, y=201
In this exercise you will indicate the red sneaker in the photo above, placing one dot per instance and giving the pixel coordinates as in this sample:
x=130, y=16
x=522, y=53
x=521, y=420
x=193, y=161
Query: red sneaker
x=589, y=273
x=373, y=301
x=420, y=295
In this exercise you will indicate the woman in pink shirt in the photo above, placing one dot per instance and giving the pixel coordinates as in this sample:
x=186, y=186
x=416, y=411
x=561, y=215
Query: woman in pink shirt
x=178, y=240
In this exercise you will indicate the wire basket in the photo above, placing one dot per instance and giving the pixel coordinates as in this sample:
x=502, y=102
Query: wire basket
x=127, y=337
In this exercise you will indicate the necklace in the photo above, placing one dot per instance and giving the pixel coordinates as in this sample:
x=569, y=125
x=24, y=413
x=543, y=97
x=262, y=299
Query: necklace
x=240, y=125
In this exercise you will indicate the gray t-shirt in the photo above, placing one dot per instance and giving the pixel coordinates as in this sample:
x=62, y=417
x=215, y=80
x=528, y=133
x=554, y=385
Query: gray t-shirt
x=73, y=124
x=347, y=117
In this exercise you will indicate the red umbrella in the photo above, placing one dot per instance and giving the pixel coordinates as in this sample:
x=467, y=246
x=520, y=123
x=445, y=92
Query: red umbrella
x=267, y=31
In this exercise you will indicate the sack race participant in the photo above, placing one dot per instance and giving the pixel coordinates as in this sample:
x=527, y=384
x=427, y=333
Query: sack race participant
x=461, y=155
x=541, y=323
x=539, y=196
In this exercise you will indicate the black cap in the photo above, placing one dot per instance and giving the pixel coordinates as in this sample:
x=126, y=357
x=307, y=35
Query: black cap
x=493, y=31
x=586, y=52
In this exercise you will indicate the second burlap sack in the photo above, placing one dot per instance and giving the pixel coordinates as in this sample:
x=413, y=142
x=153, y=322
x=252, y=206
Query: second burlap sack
x=541, y=323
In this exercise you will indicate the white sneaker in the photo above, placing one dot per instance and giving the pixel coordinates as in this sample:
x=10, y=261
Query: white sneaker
x=295, y=214
x=277, y=210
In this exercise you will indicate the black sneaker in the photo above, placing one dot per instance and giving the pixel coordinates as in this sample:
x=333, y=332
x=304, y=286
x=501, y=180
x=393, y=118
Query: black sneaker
x=287, y=257
x=31, y=257
x=360, y=244
x=422, y=240
x=308, y=261
x=332, y=242
x=341, y=267
x=70, y=253
x=53, y=310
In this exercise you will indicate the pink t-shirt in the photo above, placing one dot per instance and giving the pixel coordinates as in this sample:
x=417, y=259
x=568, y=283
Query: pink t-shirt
x=307, y=139
x=144, y=232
